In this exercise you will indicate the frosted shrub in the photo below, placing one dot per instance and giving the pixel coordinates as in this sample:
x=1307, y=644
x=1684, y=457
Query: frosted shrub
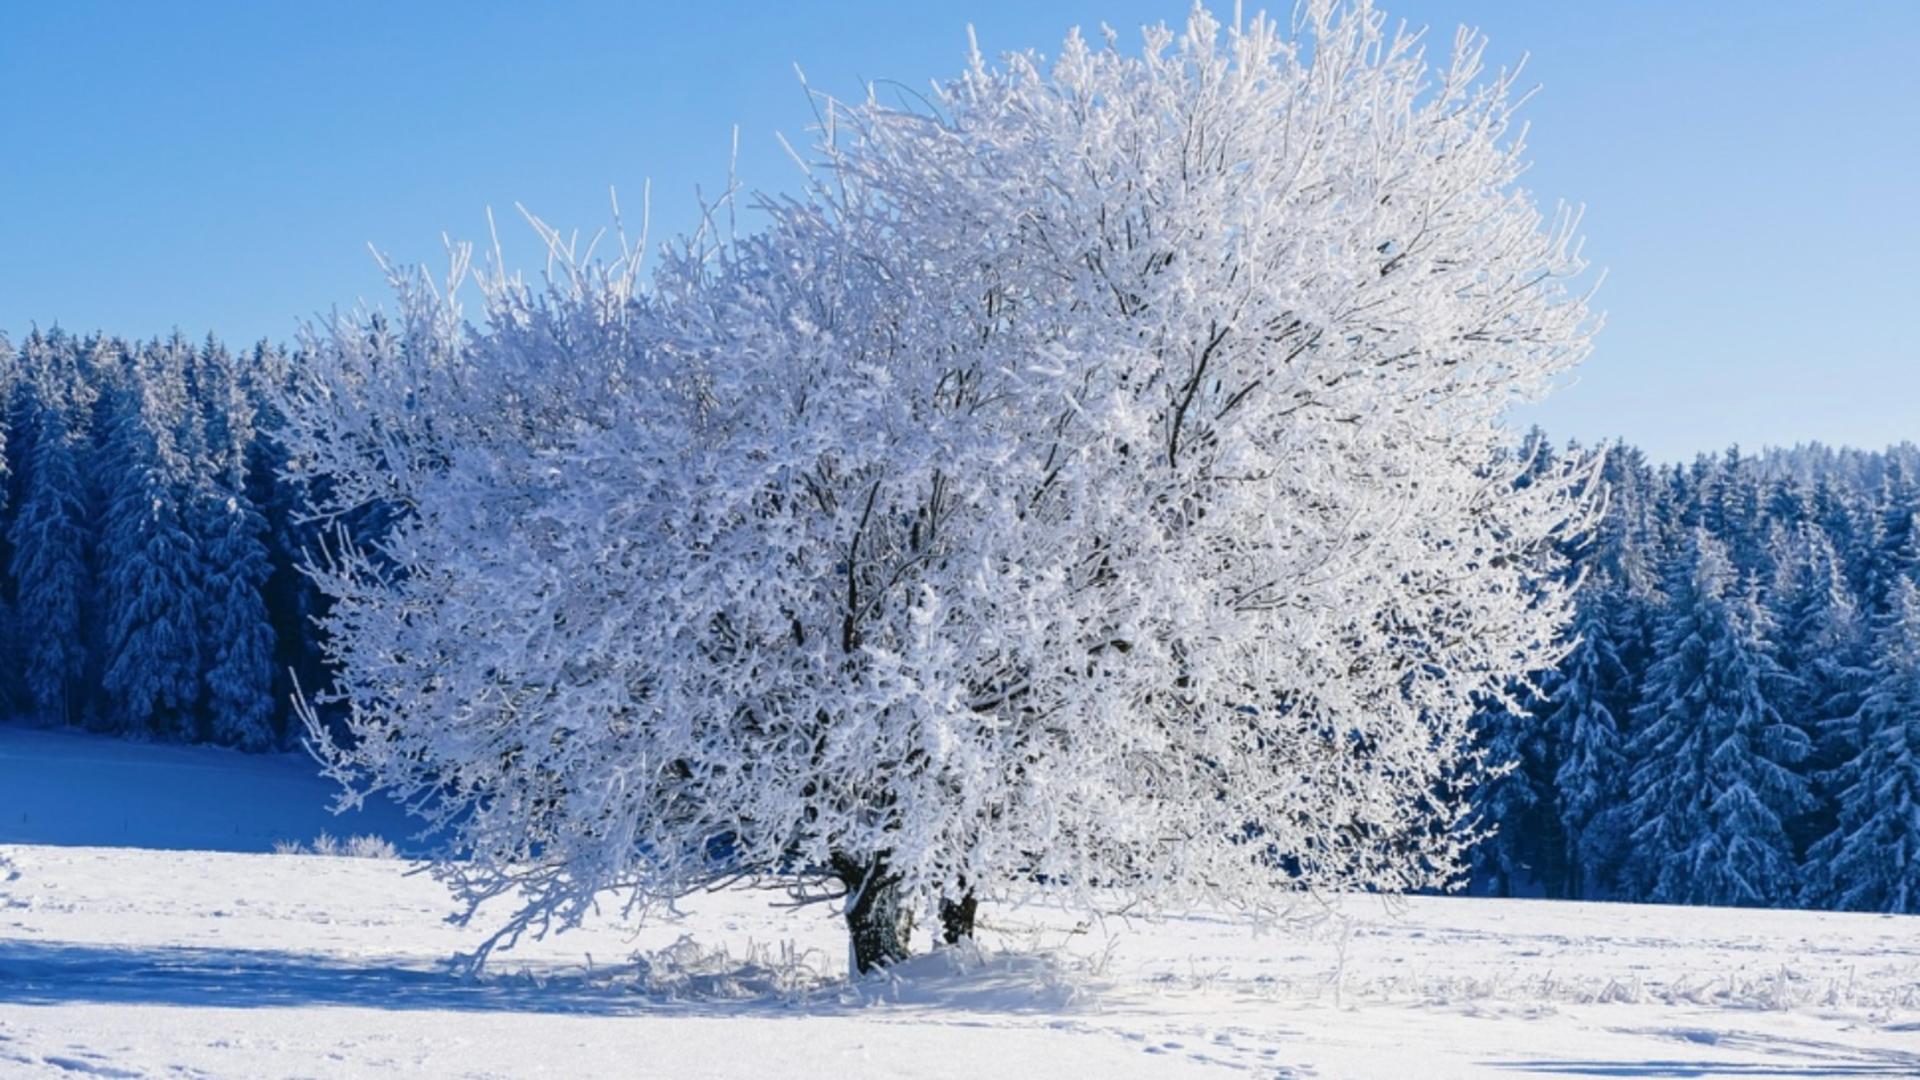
x=1093, y=483
x=369, y=847
x=355, y=847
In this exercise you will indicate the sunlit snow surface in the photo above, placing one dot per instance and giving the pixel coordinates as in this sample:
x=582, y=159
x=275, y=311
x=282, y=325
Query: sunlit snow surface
x=130, y=962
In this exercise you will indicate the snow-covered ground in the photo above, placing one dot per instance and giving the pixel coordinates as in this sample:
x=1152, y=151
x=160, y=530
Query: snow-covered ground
x=119, y=961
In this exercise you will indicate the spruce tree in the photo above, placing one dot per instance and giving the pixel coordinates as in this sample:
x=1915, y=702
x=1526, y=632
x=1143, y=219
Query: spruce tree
x=1834, y=509
x=106, y=365
x=1712, y=762
x=238, y=642
x=152, y=663
x=1823, y=647
x=1626, y=546
x=1590, y=776
x=1893, y=551
x=48, y=541
x=1871, y=860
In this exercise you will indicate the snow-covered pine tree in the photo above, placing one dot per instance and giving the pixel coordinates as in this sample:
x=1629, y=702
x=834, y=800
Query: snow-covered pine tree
x=1834, y=509
x=1701, y=504
x=1822, y=644
x=1713, y=763
x=1599, y=678
x=1591, y=775
x=49, y=542
x=1592, y=690
x=1892, y=551
x=149, y=562
x=1625, y=550
x=1789, y=502
x=106, y=366
x=225, y=411
x=1674, y=512
x=1871, y=860
x=1747, y=526
x=1093, y=487
x=237, y=643
x=1726, y=496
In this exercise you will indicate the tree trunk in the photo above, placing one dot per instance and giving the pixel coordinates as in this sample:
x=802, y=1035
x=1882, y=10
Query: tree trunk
x=956, y=919
x=877, y=925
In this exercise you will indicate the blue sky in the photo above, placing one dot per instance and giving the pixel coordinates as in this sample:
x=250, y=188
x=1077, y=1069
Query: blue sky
x=1751, y=171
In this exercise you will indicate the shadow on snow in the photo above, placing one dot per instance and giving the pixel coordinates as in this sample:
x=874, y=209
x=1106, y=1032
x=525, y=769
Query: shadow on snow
x=1803, y=1057
x=64, y=973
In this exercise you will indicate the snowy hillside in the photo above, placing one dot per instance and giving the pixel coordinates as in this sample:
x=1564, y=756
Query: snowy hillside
x=118, y=961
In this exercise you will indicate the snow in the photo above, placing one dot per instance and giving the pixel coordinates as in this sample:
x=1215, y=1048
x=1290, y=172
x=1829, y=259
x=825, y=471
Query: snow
x=62, y=787
x=122, y=961
x=223, y=964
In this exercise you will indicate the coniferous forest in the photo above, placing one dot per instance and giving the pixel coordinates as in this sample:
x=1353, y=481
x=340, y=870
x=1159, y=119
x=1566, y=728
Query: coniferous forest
x=1737, y=720
x=149, y=542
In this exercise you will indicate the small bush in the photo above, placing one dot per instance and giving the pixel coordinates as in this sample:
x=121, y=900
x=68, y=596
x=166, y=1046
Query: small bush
x=355, y=847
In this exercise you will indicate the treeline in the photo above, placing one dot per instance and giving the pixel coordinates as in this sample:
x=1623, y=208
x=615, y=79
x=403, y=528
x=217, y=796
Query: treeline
x=149, y=543
x=1739, y=720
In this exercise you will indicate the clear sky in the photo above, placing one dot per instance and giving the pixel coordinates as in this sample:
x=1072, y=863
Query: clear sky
x=1751, y=171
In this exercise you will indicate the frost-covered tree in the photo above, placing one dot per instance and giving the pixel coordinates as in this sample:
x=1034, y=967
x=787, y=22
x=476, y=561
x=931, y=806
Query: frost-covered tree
x=49, y=544
x=1830, y=509
x=1891, y=552
x=109, y=370
x=1712, y=760
x=1590, y=776
x=149, y=565
x=1096, y=483
x=226, y=414
x=1596, y=685
x=238, y=641
x=1821, y=643
x=1871, y=861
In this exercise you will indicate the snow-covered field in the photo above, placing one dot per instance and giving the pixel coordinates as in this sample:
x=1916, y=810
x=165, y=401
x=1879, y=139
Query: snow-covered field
x=122, y=961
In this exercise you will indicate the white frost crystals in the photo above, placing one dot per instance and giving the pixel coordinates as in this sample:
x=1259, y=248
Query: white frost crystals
x=1094, y=483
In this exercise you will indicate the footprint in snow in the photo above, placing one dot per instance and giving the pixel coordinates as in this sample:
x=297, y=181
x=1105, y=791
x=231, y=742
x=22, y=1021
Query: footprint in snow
x=88, y=1068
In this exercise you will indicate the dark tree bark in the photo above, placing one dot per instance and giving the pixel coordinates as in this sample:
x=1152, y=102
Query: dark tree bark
x=956, y=919
x=877, y=924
